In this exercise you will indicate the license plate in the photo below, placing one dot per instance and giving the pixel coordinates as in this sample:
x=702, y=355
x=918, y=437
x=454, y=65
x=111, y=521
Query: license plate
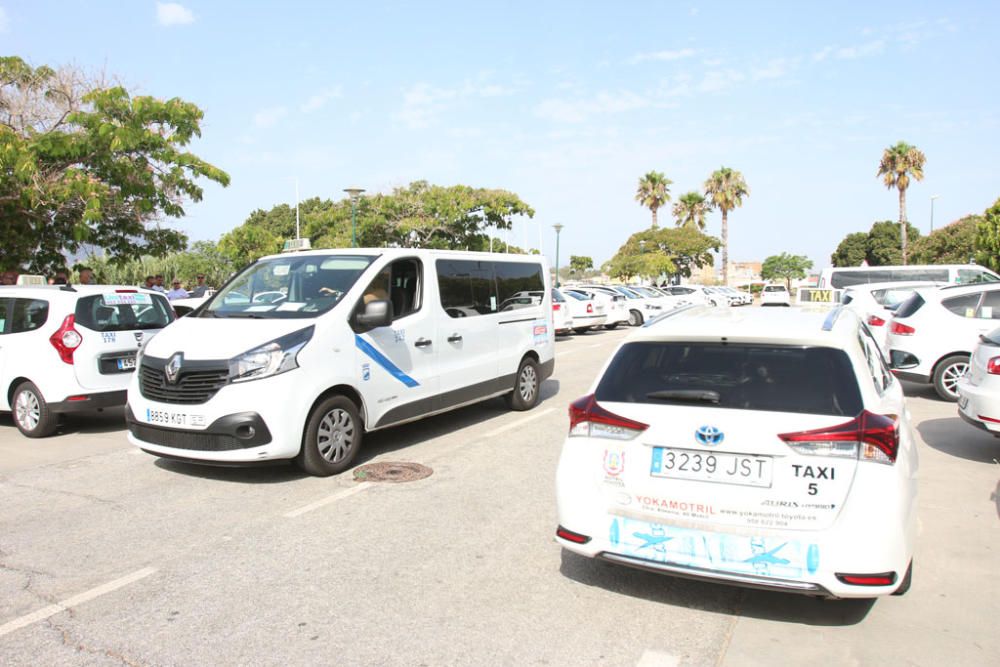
x=743, y=469
x=165, y=417
x=126, y=364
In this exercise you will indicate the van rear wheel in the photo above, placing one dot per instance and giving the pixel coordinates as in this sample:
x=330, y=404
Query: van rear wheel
x=332, y=439
x=526, y=384
x=31, y=413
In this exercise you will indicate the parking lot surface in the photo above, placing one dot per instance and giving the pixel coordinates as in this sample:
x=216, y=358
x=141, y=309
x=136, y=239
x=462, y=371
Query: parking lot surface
x=109, y=556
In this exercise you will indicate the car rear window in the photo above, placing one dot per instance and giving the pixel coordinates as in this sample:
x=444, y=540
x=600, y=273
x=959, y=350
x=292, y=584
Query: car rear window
x=910, y=306
x=127, y=311
x=810, y=380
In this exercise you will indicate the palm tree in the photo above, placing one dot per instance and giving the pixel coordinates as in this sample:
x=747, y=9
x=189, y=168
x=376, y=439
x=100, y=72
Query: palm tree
x=726, y=188
x=691, y=209
x=653, y=192
x=899, y=164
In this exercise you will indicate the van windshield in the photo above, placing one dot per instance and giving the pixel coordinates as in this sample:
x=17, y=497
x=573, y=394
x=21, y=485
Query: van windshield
x=293, y=287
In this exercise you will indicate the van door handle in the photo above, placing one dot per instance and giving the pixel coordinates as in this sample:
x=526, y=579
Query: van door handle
x=454, y=338
x=422, y=342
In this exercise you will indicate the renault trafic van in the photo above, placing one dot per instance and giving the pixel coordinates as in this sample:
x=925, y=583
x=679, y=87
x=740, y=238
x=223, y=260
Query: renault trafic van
x=299, y=355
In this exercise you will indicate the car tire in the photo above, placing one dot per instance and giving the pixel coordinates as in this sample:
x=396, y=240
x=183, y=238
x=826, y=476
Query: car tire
x=947, y=373
x=904, y=586
x=332, y=439
x=31, y=413
x=527, y=383
x=611, y=326
x=581, y=330
x=634, y=318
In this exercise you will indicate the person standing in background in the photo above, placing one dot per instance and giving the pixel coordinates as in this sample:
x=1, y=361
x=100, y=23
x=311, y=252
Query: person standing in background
x=159, y=284
x=200, y=289
x=86, y=275
x=177, y=292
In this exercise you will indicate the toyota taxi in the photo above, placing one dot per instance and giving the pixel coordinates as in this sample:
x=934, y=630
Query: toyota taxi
x=761, y=449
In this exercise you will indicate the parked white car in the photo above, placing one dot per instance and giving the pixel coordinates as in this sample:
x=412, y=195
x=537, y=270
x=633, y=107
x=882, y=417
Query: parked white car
x=587, y=311
x=562, y=319
x=876, y=303
x=641, y=307
x=740, y=297
x=933, y=332
x=979, y=388
x=775, y=295
x=687, y=294
x=746, y=448
x=614, y=303
x=665, y=301
x=71, y=349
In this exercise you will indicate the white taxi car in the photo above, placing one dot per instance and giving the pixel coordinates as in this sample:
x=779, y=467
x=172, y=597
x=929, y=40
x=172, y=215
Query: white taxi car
x=71, y=349
x=775, y=295
x=761, y=449
x=979, y=388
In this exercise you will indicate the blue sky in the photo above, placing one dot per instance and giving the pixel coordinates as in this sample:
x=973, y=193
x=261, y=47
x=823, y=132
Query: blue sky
x=566, y=104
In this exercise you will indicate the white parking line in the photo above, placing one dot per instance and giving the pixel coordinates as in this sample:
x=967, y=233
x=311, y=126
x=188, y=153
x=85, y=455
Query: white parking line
x=329, y=499
x=86, y=596
x=657, y=659
x=577, y=349
x=520, y=422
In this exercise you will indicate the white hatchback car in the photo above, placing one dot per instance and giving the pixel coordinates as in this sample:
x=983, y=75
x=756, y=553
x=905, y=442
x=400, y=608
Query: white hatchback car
x=746, y=447
x=933, y=332
x=876, y=303
x=614, y=303
x=562, y=320
x=979, y=389
x=775, y=295
x=586, y=310
x=71, y=349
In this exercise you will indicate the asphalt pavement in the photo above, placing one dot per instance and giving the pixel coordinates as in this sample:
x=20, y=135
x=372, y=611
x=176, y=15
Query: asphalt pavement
x=109, y=556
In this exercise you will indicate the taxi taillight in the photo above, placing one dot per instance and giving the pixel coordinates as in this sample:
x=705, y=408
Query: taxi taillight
x=66, y=339
x=869, y=437
x=993, y=366
x=588, y=419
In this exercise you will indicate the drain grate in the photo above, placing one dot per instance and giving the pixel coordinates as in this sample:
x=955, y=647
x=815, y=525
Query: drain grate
x=391, y=471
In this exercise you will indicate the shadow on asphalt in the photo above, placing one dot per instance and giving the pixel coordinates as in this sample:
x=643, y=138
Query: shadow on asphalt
x=718, y=598
x=107, y=421
x=919, y=390
x=375, y=444
x=953, y=436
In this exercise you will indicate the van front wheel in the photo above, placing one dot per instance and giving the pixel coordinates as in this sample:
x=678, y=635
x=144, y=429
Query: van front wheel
x=332, y=439
x=525, y=394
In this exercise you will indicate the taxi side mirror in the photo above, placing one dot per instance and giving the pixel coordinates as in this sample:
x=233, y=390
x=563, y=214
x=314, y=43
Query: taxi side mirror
x=376, y=314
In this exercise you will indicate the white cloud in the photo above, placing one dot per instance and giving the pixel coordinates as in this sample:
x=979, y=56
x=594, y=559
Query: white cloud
x=661, y=56
x=171, y=13
x=319, y=100
x=861, y=51
x=579, y=110
x=422, y=102
x=269, y=117
x=774, y=69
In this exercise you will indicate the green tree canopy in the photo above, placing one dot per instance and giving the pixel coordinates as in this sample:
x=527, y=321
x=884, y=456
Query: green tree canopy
x=785, y=267
x=85, y=164
x=988, y=238
x=655, y=252
x=899, y=164
x=653, y=192
x=581, y=263
x=952, y=244
x=852, y=250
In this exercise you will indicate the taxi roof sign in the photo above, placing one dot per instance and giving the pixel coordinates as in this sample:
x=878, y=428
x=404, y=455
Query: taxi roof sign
x=294, y=245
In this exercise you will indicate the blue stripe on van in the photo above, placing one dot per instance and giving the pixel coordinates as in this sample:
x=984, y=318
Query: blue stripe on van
x=383, y=361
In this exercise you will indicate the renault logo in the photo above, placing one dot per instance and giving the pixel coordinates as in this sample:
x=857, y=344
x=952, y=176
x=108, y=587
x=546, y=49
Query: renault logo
x=709, y=435
x=173, y=367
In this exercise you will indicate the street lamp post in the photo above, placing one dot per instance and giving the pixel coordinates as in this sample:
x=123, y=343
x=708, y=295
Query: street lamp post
x=933, y=197
x=558, y=227
x=354, y=194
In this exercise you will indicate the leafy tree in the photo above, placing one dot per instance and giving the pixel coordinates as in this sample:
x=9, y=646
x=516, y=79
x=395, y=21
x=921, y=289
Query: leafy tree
x=725, y=188
x=83, y=164
x=900, y=163
x=691, y=209
x=201, y=257
x=580, y=263
x=656, y=252
x=785, y=267
x=883, y=247
x=653, y=192
x=852, y=250
x=988, y=238
x=952, y=244
x=248, y=243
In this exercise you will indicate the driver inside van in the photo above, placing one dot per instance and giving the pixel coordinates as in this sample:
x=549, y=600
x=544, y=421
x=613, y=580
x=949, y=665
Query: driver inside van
x=378, y=288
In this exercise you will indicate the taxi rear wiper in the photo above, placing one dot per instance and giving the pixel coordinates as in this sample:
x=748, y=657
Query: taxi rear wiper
x=692, y=395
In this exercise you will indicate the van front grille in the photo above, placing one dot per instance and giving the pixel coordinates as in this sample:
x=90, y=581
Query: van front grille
x=193, y=386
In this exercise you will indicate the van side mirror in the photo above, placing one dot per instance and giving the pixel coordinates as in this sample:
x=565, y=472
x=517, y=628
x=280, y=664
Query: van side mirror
x=376, y=314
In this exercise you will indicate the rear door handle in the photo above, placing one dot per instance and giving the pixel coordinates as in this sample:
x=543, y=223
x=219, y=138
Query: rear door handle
x=454, y=338
x=422, y=342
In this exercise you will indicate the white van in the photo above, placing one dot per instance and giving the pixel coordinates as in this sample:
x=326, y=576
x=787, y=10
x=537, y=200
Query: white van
x=952, y=274
x=360, y=339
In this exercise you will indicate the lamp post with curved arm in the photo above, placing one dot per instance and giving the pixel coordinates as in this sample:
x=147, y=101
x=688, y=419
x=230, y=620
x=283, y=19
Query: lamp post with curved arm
x=354, y=194
x=558, y=227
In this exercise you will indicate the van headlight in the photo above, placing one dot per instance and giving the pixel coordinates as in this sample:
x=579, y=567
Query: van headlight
x=272, y=358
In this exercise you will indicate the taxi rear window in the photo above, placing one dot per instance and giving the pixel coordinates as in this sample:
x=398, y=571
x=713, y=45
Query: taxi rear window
x=126, y=311
x=808, y=380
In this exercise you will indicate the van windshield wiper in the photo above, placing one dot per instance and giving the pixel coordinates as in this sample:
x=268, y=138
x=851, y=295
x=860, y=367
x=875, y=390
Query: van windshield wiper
x=691, y=395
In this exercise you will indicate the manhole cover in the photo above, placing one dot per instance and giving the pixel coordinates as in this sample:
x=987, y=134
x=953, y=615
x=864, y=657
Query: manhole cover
x=390, y=471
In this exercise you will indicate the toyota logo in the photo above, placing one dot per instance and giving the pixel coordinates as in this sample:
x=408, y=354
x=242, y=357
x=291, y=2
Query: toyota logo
x=173, y=367
x=709, y=435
